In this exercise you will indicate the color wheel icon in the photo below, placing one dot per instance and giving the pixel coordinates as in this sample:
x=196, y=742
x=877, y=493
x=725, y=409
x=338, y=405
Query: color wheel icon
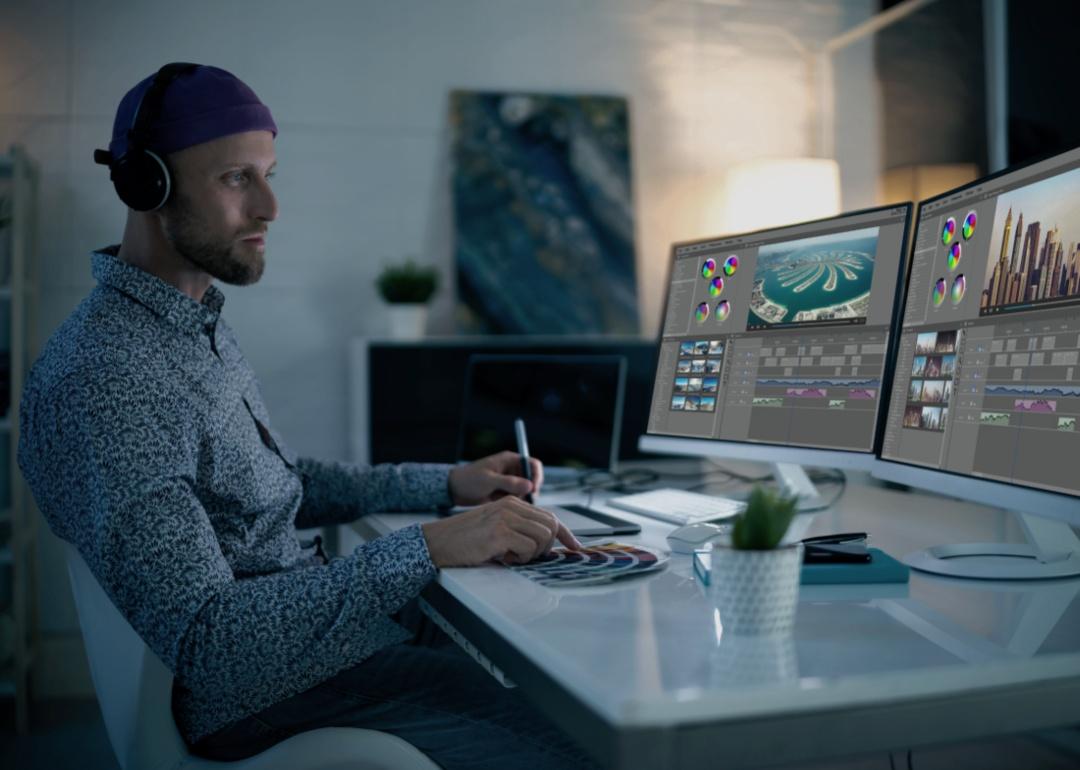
x=959, y=286
x=939, y=292
x=702, y=313
x=716, y=286
x=731, y=264
x=948, y=231
x=969, y=225
x=708, y=268
x=723, y=310
x=954, y=255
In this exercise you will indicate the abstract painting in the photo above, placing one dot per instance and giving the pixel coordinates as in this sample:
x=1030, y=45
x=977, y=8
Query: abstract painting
x=543, y=214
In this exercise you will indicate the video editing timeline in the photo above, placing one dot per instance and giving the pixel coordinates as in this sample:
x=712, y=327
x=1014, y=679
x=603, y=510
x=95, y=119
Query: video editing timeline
x=1009, y=406
x=781, y=336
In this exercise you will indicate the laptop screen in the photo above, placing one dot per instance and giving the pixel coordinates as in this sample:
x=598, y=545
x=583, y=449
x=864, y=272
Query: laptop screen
x=571, y=405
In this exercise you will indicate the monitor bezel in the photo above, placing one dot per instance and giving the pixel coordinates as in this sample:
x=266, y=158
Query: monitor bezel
x=997, y=492
x=859, y=459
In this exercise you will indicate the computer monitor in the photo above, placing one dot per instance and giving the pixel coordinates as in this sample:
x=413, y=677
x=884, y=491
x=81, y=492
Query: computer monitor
x=986, y=396
x=775, y=344
x=571, y=405
x=429, y=375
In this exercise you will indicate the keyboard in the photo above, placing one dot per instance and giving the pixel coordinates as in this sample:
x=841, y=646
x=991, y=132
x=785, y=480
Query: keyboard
x=677, y=506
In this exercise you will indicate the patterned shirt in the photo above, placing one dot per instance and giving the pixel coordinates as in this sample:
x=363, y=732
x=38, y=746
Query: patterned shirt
x=145, y=442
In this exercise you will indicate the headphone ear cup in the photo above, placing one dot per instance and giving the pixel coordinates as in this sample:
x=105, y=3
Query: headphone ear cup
x=142, y=180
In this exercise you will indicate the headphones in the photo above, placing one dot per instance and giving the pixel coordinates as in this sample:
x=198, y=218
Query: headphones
x=141, y=177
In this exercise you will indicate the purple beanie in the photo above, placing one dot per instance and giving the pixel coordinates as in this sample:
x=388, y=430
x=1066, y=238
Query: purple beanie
x=199, y=105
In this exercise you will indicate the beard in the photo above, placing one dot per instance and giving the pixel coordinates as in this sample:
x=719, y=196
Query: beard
x=191, y=238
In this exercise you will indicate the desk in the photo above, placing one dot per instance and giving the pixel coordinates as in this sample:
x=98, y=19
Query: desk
x=641, y=674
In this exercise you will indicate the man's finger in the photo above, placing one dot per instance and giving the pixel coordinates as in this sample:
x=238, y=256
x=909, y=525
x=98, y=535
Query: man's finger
x=566, y=537
x=554, y=524
x=541, y=534
x=519, y=549
x=537, y=474
x=514, y=485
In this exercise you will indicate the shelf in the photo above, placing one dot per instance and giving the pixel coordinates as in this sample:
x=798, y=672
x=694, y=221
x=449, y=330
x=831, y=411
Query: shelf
x=18, y=294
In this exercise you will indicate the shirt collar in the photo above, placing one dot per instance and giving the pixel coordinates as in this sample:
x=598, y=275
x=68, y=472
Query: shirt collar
x=162, y=298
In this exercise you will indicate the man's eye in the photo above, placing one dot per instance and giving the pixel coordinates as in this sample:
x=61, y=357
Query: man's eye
x=271, y=175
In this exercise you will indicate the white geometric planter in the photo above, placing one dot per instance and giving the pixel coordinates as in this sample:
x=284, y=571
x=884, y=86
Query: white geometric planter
x=756, y=592
x=406, y=320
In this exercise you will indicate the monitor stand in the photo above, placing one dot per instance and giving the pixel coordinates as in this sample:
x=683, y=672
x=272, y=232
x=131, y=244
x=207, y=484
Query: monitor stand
x=791, y=478
x=1052, y=551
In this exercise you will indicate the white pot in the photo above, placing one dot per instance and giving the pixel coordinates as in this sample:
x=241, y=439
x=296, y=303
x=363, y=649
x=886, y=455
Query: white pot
x=756, y=592
x=406, y=320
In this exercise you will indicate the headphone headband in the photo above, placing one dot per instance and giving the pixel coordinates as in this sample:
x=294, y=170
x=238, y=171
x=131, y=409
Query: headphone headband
x=149, y=105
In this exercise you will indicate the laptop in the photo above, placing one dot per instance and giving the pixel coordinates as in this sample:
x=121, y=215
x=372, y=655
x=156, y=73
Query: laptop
x=572, y=408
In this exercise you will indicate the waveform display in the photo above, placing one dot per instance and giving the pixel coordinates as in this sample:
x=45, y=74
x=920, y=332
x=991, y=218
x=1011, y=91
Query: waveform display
x=807, y=392
x=1040, y=405
x=815, y=382
x=1065, y=391
x=862, y=393
x=994, y=418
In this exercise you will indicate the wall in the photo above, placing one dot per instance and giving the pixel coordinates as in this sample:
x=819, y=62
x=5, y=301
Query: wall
x=359, y=92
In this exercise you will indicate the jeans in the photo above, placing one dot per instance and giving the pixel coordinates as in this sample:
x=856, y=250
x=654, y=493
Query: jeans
x=428, y=693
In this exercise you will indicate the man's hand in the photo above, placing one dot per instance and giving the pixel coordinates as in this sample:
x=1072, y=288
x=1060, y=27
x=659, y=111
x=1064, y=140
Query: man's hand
x=493, y=477
x=508, y=530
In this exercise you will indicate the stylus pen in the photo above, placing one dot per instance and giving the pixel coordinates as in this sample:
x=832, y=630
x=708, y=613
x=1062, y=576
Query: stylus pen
x=523, y=450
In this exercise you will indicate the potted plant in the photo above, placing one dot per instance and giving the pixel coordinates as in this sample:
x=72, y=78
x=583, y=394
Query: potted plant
x=406, y=289
x=754, y=581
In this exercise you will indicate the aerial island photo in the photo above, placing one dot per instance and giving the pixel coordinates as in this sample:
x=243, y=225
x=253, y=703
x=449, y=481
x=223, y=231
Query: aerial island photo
x=824, y=278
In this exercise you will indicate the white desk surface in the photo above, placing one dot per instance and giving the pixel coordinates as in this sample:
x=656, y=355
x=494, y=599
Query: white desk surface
x=641, y=672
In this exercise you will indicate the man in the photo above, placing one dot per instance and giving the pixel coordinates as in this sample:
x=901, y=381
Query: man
x=146, y=443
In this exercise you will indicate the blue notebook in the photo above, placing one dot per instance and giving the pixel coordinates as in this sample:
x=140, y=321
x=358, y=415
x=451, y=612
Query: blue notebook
x=881, y=568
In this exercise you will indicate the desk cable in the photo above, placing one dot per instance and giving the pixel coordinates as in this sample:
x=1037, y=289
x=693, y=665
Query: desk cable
x=892, y=764
x=642, y=480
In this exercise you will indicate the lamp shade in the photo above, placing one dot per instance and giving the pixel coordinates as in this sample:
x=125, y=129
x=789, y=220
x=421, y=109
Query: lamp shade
x=767, y=193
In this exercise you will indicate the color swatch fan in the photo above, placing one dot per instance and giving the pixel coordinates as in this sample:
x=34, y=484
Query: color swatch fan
x=599, y=564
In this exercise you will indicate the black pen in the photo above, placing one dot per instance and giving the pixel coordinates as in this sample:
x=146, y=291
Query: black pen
x=523, y=450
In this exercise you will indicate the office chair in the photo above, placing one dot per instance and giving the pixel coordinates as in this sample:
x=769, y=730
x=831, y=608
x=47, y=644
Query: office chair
x=134, y=688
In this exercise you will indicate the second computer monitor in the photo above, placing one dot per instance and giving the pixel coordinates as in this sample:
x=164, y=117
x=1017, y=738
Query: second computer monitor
x=779, y=340
x=988, y=368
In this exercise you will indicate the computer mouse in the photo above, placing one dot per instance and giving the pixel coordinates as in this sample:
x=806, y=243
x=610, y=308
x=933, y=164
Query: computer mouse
x=685, y=539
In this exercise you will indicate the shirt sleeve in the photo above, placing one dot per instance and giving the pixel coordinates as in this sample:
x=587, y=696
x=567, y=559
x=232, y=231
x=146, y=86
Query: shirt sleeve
x=113, y=467
x=337, y=493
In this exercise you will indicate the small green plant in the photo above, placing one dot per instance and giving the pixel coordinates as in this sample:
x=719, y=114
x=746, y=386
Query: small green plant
x=762, y=525
x=408, y=283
